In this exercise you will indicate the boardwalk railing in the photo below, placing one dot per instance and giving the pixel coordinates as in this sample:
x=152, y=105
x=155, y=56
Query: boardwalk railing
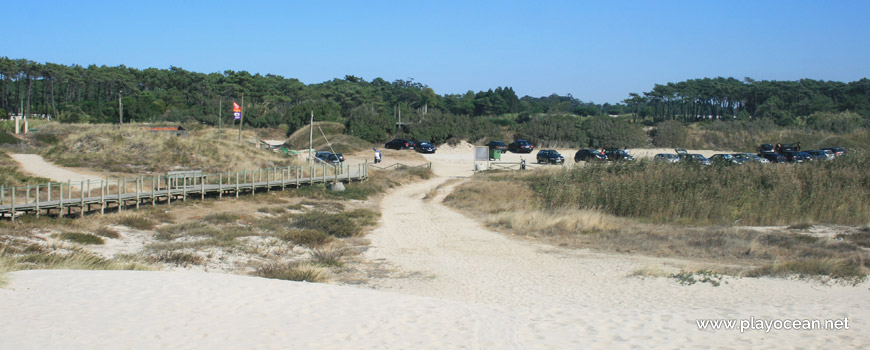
x=127, y=191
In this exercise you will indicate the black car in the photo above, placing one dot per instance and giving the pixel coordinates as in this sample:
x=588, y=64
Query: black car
x=772, y=157
x=589, y=154
x=550, y=156
x=793, y=157
x=424, y=147
x=399, y=144
x=499, y=145
x=521, y=146
x=725, y=158
x=764, y=148
x=821, y=154
x=617, y=154
x=329, y=157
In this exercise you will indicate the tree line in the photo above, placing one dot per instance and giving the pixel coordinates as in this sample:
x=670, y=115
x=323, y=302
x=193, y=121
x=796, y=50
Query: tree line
x=373, y=109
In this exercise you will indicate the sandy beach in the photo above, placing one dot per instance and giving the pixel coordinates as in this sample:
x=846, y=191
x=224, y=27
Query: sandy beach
x=454, y=285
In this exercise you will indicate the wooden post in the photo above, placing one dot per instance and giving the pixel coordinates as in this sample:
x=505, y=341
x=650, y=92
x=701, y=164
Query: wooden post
x=268, y=188
x=27, y=196
x=221, y=186
x=120, y=205
x=283, y=178
x=82, y=202
x=3, y=194
x=237, y=184
x=103, y=197
x=69, y=188
x=202, y=188
x=13, y=204
x=153, y=177
x=168, y=190
x=49, y=191
x=60, y=201
x=37, y=200
x=138, y=191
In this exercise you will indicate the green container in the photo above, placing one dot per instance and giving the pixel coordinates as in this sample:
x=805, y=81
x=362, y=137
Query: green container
x=494, y=154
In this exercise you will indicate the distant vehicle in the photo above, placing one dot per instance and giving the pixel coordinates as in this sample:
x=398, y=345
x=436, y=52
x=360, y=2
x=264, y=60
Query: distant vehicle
x=749, y=158
x=695, y=158
x=329, y=157
x=499, y=145
x=821, y=154
x=724, y=158
x=765, y=148
x=424, y=147
x=549, y=156
x=521, y=146
x=589, y=154
x=793, y=157
x=666, y=157
x=617, y=154
x=773, y=157
x=399, y=144
x=838, y=151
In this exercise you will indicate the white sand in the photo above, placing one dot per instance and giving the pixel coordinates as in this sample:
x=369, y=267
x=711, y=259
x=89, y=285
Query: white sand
x=36, y=165
x=469, y=287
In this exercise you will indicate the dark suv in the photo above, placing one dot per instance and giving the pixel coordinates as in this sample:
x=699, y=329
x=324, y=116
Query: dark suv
x=398, y=144
x=521, y=146
x=589, y=154
x=617, y=154
x=550, y=156
x=499, y=145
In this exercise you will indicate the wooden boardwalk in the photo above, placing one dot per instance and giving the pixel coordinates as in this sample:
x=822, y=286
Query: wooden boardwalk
x=122, y=193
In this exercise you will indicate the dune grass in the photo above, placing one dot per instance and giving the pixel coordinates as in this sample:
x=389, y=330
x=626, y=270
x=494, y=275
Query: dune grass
x=291, y=272
x=132, y=149
x=589, y=207
x=81, y=238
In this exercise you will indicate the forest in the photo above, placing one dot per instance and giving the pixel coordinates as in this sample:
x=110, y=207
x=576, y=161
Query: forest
x=372, y=109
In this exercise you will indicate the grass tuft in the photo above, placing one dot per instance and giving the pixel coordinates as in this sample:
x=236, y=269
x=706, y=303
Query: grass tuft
x=136, y=221
x=291, y=272
x=81, y=238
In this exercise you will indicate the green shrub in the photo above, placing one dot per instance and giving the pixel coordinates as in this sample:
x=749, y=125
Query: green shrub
x=670, y=134
x=607, y=132
x=136, y=221
x=335, y=225
x=291, y=272
x=308, y=238
x=81, y=238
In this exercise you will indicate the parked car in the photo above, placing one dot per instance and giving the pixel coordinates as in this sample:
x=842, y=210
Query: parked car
x=521, y=146
x=589, y=154
x=329, y=157
x=666, y=157
x=617, y=154
x=773, y=157
x=424, y=147
x=399, y=144
x=793, y=157
x=695, y=158
x=838, y=151
x=550, y=156
x=821, y=154
x=764, y=148
x=499, y=145
x=750, y=158
x=726, y=159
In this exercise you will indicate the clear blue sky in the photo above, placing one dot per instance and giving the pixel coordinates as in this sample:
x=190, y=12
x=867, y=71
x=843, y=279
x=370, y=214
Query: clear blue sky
x=595, y=50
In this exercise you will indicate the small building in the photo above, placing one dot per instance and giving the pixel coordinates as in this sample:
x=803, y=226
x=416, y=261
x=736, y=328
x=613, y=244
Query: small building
x=272, y=145
x=177, y=130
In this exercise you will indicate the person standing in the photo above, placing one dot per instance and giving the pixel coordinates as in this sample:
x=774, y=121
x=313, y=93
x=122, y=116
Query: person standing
x=377, y=155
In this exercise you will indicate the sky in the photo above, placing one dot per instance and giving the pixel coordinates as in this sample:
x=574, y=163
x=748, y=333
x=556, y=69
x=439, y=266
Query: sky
x=597, y=51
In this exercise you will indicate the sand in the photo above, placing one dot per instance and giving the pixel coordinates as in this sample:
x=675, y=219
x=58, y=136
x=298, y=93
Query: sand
x=455, y=285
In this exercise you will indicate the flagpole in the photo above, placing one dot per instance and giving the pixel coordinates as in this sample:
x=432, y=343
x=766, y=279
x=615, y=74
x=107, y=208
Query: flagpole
x=242, y=119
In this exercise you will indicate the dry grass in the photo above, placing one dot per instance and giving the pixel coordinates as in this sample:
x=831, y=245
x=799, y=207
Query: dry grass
x=81, y=238
x=291, y=272
x=517, y=209
x=132, y=149
x=136, y=220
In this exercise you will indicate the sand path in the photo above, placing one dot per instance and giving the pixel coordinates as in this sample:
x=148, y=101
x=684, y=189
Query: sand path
x=459, y=286
x=560, y=298
x=36, y=165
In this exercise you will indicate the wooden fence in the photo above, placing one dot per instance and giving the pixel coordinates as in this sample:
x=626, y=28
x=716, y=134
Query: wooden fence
x=125, y=192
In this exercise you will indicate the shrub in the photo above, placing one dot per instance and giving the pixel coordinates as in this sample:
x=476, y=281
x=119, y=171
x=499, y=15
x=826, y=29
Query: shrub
x=81, y=238
x=333, y=224
x=607, y=132
x=182, y=259
x=670, y=134
x=308, y=238
x=291, y=272
x=328, y=256
x=108, y=233
x=138, y=222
